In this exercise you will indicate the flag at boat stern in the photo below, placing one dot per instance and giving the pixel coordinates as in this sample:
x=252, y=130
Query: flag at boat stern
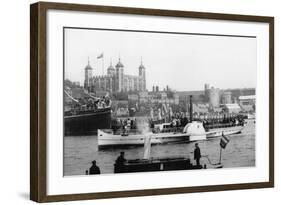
x=224, y=141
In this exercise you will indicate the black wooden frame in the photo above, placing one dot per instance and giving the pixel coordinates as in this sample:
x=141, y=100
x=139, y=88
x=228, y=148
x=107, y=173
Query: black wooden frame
x=38, y=101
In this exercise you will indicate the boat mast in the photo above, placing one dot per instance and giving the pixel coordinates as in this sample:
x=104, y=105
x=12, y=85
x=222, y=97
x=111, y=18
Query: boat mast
x=190, y=108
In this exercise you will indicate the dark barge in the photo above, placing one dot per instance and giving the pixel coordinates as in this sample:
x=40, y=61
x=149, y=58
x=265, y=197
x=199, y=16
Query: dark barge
x=149, y=164
x=158, y=164
x=87, y=122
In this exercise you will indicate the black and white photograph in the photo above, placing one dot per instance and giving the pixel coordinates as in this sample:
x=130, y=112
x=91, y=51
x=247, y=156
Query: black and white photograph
x=154, y=101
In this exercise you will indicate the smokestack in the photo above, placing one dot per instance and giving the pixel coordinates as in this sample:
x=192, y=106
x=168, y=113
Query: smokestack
x=147, y=147
x=190, y=108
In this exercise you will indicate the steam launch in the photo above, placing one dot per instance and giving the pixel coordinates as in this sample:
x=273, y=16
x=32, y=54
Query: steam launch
x=194, y=130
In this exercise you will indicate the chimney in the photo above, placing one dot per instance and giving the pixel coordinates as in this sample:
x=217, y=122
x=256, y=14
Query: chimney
x=157, y=88
x=190, y=108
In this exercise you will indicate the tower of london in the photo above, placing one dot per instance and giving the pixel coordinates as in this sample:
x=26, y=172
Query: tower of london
x=115, y=80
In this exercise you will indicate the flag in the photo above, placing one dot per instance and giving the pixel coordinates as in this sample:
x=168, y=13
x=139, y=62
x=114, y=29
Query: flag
x=100, y=56
x=224, y=141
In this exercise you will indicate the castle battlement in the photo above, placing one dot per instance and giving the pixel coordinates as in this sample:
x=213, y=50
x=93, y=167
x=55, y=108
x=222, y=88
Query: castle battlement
x=115, y=80
x=101, y=76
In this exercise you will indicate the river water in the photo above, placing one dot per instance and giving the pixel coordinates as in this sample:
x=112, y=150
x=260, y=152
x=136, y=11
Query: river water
x=79, y=151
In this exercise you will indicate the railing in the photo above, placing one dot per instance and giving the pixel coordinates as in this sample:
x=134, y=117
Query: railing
x=126, y=132
x=84, y=111
x=222, y=125
x=167, y=130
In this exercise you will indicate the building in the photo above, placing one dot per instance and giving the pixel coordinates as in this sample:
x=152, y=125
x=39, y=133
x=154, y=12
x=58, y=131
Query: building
x=76, y=83
x=115, y=80
x=143, y=97
x=88, y=84
x=232, y=108
x=214, y=97
x=247, y=103
x=226, y=97
x=133, y=97
x=200, y=108
x=120, y=108
x=207, y=92
x=197, y=96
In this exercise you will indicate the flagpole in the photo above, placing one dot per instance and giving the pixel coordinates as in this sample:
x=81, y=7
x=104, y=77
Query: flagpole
x=102, y=64
x=220, y=155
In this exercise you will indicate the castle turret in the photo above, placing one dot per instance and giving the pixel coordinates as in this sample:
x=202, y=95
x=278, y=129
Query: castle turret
x=88, y=76
x=142, y=77
x=110, y=69
x=119, y=76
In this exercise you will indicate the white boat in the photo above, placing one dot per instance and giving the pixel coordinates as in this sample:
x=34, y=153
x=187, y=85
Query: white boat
x=192, y=132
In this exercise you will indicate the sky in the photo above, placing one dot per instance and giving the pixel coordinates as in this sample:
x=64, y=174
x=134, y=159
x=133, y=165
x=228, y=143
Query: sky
x=184, y=62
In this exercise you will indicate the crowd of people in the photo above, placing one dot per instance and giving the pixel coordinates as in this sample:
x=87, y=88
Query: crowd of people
x=224, y=122
x=99, y=103
x=125, y=125
x=180, y=120
x=90, y=105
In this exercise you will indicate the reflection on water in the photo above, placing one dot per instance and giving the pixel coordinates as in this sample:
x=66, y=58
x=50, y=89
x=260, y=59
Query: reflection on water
x=79, y=151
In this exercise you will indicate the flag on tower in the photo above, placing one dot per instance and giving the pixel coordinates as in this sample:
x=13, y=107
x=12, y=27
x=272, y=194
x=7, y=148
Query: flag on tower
x=100, y=56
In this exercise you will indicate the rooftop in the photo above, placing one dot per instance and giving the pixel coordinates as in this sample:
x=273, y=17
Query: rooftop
x=247, y=97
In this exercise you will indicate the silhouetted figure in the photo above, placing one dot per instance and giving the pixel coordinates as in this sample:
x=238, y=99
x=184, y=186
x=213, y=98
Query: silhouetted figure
x=119, y=163
x=94, y=169
x=197, y=154
x=121, y=159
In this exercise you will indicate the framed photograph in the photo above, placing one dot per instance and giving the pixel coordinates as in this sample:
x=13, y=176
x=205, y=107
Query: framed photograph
x=134, y=102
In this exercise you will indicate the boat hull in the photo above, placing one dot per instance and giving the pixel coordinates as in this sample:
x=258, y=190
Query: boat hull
x=109, y=139
x=225, y=131
x=164, y=164
x=87, y=124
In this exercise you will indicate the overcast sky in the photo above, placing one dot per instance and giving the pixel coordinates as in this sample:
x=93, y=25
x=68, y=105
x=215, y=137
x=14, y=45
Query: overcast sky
x=182, y=61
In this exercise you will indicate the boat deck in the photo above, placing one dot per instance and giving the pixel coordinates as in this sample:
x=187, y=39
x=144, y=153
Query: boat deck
x=157, y=164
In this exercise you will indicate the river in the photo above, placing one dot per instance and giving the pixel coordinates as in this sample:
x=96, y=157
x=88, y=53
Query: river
x=79, y=151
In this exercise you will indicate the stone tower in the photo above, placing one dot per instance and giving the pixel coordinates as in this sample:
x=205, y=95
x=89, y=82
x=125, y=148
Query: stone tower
x=88, y=76
x=110, y=69
x=142, y=81
x=119, y=76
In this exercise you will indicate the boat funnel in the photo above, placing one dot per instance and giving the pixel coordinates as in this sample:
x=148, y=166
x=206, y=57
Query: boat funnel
x=147, y=147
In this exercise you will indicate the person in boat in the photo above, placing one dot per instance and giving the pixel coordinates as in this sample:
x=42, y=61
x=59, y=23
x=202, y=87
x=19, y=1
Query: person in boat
x=119, y=163
x=197, y=154
x=133, y=125
x=94, y=169
x=121, y=159
x=128, y=124
x=123, y=126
